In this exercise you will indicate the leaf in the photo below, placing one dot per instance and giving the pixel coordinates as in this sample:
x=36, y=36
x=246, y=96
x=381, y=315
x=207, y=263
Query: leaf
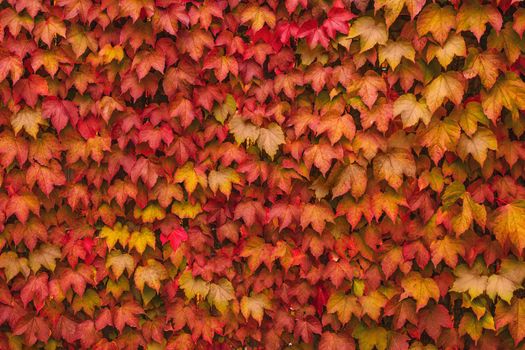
x=474, y=17
x=258, y=16
x=507, y=224
x=221, y=294
x=119, y=262
x=508, y=41
x=317, y=215
x=151, y=274
x=454, y=46
x=422, y=289
x=352, y=178
x=29, y=120
x=473, y=327
x=223, y=180
x=191, y=177
x=436, y=20
x=486, y=64
x=411, y=110
x=344, y=305
x=270, y=139
x=440, y=136
x=477, y=145
x=394, y=51
x=449, y=85
x=243, y=131
x=139, y=240
x=119, y=233
x=193, y=287
x=255, y=305
x=44, y=256
x=508, y=92
x=391, y=166
x=369, y=31
x=472, y=281
x=371, y=338
x=513, y=317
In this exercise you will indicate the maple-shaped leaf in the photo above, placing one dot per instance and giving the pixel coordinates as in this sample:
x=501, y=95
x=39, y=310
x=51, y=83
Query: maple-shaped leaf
x=391, y=166
x=28, y=119
x=13, y=265
x=470, y=280
x=151, y=274
x=512, y=316
x=369, y=31
x=440, y=136
x=119, y=262
x=336, y=126
x=422, y=289
x=474, y=327
x=321, y=155
x=11, y=65
x=48, y=29
x=447, y=250
x=44, y=256
x=411, y=110
x=336, y=341
x=186, y=210
x=133, y=8
x=193, y=287
x=144, y=61
x=191, y=177
x=270, y=139
x=139, y=240
x=317, y=215
x=175, y=237
x=508, y=41
x=507, y=280
x=255, y=306
x=150, y=213
x=393, y=8
x=393, y=51
x=258, y=16
x=344, y=305
x=194, y=41
x=222, y=65
x=119, y=233
x=223, y=179
x=21, y=204
x=126, y=314
x=88, y=302
x=485, y=64
x=436, y=20
x=243, y=130
x=371, y=338
x=449, y=85
x=47, y=177
x=11, y=148
x=373, y=303
x=474, y=17
x=220, y=294
x=470, y=116
x=121, y=191
x=507, y=224
x=477, y=145
x=433, y=319
x=508, y=92
x=81, y=40
x=454, y=46
x=352, y=178
x=34, y=328
x=36, y=290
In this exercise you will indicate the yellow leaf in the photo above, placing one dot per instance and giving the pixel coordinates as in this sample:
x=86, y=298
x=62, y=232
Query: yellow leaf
x=220, y=294
x=191, y=177
x=270, y=138
x=411, y=110
x=449, y=85
x=344, y=305
x=486, y=64
x=436, y=20
x=422, y=289
x=440, y=136
x=394, y=51
x=243, y=130
x=193, y=287
x=508, y=224
x=28, y=119
x=152, y=274
x=477, y=145
x=118, y=262
x=454, y=46
x=150, y=214
x=139, y=240
x=119, y=233
x=369, y=31
x=223, y=179
x=258, y=15
x=391, y=166
x=474, y=17
x=508, y=92
x=470, y=280
x=255, y=305
x=186, y=210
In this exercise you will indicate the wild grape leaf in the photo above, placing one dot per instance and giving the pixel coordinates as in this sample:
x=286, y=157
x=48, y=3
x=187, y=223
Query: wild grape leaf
x=193, y=287
x=344, y=305
x=477, y=145
x=369, y=31
x=270, y=139
x=394, y=51
x=508, y=92
x=151, y=274
x=221, y=294
x=437, y=20
x=391, y=166
x=512, y=316
x=411, y=110
x=449, y=85
x=222, y=180
x=507, y=224
x=474, y=17
x=422, y=289
x=29, y=120
x=454, y=46
x=255, y=306
x=139, y=240
x=119, y=262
